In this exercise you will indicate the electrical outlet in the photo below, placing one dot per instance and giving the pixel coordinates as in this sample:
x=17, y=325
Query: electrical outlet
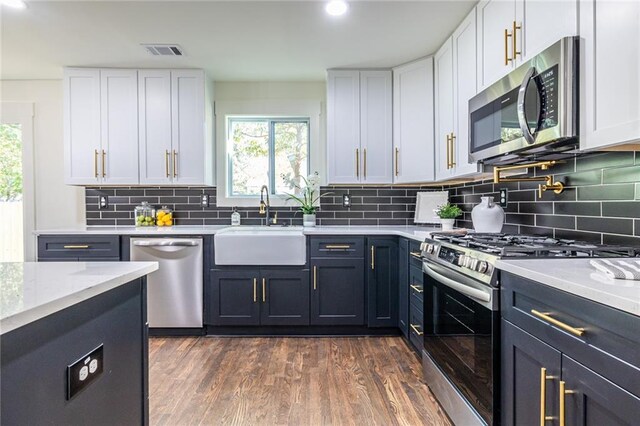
x=504, y=197
x=103, y=202
x=204, y=200
x=84, y=371
x=346, y=200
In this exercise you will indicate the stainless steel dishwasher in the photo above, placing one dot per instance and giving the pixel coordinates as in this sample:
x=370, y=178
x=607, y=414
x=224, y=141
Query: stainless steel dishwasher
x=174, y=291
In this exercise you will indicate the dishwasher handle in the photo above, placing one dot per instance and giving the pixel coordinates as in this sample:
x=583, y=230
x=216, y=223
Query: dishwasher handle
x=166, y=243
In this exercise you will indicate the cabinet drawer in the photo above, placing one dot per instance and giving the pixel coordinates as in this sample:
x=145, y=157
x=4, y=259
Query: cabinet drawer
x=416, y=287
x=608, y=337
x=414, y=254
x=416, y=324
x=332, y=246
x=75, y=247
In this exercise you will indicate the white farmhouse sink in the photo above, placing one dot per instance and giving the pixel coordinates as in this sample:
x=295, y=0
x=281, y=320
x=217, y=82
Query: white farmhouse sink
x=260, y=245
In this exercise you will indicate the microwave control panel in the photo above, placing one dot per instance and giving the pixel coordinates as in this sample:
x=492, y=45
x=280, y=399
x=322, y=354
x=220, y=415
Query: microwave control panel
x=547, y=82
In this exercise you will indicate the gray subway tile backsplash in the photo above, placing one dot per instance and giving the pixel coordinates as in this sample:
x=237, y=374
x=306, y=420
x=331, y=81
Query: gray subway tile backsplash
x=599, y=204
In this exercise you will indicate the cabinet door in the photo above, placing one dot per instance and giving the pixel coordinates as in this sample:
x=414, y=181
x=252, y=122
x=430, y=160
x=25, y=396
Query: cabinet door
x=464, y=88
x=337, y=291
x=188, y=127
x=610, y=111
x=343, y=127
x=494, y=47
x=542, y=24
x=375, y=126
x=119, y=126
x=403, y=286
x=284, y=297
x=154, y=126
x=81, y=126
x=593, y=400
x=413, y=122
x=443, y=62
x=523, y=358
x=382, y=282
x=234, y=297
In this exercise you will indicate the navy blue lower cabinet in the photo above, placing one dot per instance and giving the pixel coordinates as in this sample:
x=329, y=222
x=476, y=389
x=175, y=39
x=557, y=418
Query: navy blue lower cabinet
x=591, y=400
x=337, y=291
x=403, y=286
x=234, y=297
x=284, y=297
x=382, y=282
x=523, y=359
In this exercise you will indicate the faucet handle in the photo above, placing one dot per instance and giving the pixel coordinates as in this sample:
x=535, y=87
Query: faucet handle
x=275, y=218
x=262, y=206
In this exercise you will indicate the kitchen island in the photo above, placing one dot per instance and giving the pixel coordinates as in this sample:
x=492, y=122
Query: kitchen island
x=74, y=342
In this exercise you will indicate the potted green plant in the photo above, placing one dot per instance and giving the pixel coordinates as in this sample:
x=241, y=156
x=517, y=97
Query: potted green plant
x=307, y=196
x=448, y=213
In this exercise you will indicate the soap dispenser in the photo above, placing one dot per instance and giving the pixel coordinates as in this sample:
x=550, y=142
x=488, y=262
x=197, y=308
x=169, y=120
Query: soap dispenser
x=235, y=217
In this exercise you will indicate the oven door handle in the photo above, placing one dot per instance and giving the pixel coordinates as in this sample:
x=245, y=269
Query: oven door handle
x=472, y=292
x=522, y=117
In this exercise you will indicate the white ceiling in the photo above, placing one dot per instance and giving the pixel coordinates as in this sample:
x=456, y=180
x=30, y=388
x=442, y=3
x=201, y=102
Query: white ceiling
x=232, y=40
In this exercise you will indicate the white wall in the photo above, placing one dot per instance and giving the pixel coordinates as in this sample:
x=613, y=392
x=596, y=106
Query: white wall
x=56, y=204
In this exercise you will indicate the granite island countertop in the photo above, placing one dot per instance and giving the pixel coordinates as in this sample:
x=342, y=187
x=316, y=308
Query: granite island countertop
x=30, y=291
x=577, y=276
x=417, y=233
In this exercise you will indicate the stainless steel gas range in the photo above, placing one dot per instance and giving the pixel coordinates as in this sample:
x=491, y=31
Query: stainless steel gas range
x=461, y=356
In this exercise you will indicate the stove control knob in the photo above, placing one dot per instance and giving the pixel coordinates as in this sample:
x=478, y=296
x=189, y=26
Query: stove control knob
x=423, y=246
x=462, y=259
x=482, y=267
x=467, y=261
x=473, y=264
x=431, y=248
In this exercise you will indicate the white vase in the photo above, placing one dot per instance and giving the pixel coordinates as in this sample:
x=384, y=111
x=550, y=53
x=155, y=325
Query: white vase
x=487, y=217
x=447, y=224
x=309, y=219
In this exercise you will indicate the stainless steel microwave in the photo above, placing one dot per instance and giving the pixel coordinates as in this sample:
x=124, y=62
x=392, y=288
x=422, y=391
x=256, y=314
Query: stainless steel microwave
x=530, y=114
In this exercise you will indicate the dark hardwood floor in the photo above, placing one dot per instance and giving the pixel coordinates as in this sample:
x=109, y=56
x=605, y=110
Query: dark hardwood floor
x=288, y=381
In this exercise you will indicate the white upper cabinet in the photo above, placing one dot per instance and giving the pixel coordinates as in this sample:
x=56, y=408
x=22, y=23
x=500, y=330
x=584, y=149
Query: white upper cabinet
x=375, y=126
x=100, y=126
x=413, y=124
x=610, y=109
x=444, y=113
x=512, y=31
x=154, y=97
x=358, y=126
x=464, y=88
x=119, y=126
x=82, y=147
x=455, y=65
x=129, y=127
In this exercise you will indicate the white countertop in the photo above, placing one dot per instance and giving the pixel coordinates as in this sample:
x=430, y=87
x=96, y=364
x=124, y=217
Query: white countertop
x=30, y=291
x=418, y=233
x=578, y=277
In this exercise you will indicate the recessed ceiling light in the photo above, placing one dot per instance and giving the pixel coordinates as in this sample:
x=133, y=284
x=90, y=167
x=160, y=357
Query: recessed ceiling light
x=16, y=4
x=336, y=7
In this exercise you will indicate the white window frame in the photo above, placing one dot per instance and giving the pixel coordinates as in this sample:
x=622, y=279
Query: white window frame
x=284, y=109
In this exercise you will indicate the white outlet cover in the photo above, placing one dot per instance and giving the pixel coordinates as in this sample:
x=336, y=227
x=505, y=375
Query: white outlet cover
x=84, y=372
x=93, y=366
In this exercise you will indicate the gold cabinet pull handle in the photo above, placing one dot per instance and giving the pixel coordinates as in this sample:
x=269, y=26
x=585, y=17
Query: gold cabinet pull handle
x=357, y=162
x=514, y=42
x=543, y=396
x=417, y=331
x=507, y=59
x=104, y=169
x=373, y=257
x=166, y=161
x=448, y=152
x=453, y=155
x=364, y=153
x=264, y=290
x=315, y=277
x=397, y=167
x=563, y=391
x=175, y=163
x=548, y=318
x=255, y=290
x=76, y=246
x=95, y=163
x=337, y=246
x=416, y=254
x=417, y=288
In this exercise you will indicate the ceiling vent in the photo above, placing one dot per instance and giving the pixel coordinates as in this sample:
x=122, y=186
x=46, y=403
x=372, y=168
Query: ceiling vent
x=163, y=49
